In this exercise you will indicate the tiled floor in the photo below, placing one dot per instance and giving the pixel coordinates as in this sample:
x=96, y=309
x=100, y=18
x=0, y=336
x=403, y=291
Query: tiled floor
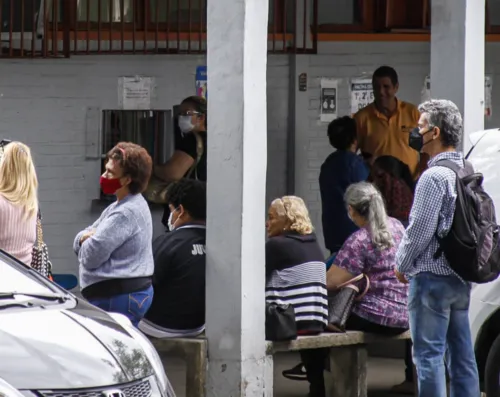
x=382, y=374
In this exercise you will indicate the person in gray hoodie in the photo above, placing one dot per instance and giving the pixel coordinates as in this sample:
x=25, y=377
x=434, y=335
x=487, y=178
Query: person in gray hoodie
x=115, y=253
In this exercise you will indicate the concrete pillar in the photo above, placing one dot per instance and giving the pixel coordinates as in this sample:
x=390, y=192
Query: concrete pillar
x=457, y=58
x=237, y=162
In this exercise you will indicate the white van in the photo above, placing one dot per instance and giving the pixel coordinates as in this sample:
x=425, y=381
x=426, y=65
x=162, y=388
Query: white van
x=484, y=312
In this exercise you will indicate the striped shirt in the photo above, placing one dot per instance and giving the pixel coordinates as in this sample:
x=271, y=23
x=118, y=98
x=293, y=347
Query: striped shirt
x=17, y=234
x=431, y=215
x=296, y=275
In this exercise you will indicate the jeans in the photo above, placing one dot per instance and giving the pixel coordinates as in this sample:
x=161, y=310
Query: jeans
x=439, y=325
x=134, y=305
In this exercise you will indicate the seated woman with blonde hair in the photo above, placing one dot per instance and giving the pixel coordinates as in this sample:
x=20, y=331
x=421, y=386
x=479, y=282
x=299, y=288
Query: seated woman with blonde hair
x=18, y=201
x=296, y=275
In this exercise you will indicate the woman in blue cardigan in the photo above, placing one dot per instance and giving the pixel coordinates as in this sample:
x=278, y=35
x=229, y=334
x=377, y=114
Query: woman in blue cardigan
x=115, y=253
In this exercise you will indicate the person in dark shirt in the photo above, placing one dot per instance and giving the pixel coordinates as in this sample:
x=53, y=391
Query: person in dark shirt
x=190, y=156
x=178, y=307
x=340, y=169
x=393, y=179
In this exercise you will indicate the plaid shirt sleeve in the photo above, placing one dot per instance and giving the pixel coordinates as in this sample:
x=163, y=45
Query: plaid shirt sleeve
x=424, y=218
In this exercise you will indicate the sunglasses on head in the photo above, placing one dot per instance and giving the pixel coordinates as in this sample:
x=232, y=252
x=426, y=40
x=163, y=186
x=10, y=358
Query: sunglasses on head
x=3, y=143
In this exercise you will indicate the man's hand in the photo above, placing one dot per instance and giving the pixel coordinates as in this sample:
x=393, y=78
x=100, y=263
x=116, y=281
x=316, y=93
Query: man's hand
x=401, y=277
x=87, y=235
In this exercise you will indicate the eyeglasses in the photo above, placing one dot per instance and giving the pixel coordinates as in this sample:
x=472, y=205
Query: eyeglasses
x=189, y=113
x=3, y=143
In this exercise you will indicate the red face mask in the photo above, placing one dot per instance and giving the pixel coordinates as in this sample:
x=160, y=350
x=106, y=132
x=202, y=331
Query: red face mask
x=110, y=185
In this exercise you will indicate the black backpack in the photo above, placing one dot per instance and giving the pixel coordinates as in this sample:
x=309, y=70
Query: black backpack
x=472, y=245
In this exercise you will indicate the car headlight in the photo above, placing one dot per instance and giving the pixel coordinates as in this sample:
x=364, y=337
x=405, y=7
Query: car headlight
x=7, y=390
x=149, y=350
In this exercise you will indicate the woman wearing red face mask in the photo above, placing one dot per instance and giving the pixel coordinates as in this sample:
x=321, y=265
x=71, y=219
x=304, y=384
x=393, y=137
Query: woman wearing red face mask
x=115, y=253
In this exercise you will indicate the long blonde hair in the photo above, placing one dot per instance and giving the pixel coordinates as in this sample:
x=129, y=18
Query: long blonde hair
x=18, y=180
x=294, y=211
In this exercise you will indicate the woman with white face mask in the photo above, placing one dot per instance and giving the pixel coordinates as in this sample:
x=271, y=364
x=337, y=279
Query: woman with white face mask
x=190, y=157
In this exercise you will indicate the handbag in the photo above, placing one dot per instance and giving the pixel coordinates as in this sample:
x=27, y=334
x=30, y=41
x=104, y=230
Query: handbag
x=156, y=191
x=280, y=322
x=341, y=302
x=40, y=253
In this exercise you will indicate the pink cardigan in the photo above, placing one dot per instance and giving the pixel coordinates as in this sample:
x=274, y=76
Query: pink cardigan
x=17, y=234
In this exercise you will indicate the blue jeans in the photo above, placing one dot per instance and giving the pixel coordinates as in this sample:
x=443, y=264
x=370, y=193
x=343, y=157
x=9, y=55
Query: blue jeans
x=134, y=305
x=439, y=325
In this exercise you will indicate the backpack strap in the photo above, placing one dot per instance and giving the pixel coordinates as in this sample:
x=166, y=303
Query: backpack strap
x=459, y=171
x=466, y=170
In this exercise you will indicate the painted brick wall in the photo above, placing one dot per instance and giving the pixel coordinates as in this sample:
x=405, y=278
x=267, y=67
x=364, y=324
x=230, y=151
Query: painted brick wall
x=43, y=103
x=344, y=60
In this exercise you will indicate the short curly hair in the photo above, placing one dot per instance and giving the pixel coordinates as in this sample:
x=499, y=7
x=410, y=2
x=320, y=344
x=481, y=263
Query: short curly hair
x=135, y=162
x=192, y=195
x=294, y=211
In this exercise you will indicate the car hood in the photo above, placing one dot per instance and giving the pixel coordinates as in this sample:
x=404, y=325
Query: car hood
x=67, y=349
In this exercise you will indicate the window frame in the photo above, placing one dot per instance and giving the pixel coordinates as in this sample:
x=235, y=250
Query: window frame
x=490, y=29
x=142, y=19
x=397, y=11
x=367, y=25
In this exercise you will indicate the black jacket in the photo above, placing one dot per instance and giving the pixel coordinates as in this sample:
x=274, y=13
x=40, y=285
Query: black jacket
x=179, y=279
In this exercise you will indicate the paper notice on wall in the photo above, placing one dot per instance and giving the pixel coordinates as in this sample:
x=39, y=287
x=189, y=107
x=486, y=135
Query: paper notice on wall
x=426, y=90
x=361, y=94
x=488, y=85
x=328, y=99
x=201, y=82
x=134, y=93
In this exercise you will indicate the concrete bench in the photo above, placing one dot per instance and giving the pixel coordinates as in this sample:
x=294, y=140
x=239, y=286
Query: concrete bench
x=194, y=353
x=348, y=358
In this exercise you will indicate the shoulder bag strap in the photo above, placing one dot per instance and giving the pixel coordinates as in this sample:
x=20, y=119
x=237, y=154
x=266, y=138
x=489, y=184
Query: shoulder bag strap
x=351, y=281
x=199, y=153
x=39, y=231
x=355, y=280
x=367, y=287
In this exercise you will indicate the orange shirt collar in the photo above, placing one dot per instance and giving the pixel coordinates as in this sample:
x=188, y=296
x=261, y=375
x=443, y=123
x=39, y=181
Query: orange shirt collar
x=399, y=105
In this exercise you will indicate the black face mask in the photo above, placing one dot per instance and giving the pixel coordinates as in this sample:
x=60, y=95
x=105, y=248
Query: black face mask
x=416, y=141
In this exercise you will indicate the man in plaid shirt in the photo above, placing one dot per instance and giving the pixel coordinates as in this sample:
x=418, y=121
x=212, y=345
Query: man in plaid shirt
x=438, y=301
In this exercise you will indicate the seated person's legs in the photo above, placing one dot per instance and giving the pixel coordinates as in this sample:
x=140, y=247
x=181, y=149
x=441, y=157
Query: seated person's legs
x=314, y=361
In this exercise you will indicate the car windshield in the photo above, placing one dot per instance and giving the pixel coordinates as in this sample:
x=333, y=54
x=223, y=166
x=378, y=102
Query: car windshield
x=20, y=281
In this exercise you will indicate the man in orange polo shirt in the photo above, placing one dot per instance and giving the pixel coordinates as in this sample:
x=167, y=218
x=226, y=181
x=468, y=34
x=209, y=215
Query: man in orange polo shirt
x=383, y=127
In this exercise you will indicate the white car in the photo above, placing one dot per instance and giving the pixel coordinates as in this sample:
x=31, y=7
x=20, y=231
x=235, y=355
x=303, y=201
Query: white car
x=484, y=312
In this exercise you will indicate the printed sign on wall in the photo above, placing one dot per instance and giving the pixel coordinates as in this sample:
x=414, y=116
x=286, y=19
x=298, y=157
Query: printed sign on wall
x=328, y=99
x=488, y=86
x=361, y=94
x=201, y=81
x=135, y=93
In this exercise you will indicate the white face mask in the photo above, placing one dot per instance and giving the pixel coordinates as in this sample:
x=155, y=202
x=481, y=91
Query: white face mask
x=185, y=124
x=169, y=222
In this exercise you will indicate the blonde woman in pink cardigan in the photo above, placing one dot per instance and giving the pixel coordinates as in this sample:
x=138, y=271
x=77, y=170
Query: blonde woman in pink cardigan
x=18, y=200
